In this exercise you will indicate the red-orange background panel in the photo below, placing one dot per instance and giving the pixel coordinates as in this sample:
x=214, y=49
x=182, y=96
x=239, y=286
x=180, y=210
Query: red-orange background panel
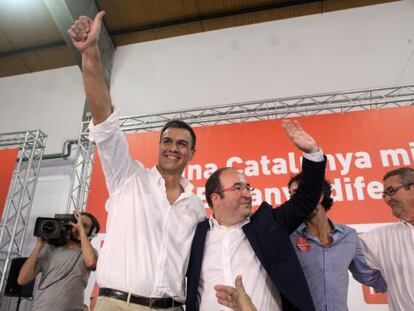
x=340, y=133
x=7, y=165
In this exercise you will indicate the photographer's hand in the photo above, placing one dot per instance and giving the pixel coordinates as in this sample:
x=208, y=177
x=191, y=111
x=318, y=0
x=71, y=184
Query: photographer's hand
x=28, y=270
x=40, y=243
x=89, y=254
x=79, y=226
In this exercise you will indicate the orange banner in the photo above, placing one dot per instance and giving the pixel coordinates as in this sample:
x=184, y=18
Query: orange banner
x=361, y=146
x=8, y=163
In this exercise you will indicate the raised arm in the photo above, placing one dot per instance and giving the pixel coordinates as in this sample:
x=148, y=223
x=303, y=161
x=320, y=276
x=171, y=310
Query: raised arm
x=89, y=254
x=28, y=271
x=112, y=144
x=85, y=37
x=293, y=212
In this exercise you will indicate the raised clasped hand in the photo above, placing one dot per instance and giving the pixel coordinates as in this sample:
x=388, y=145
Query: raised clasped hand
x=84, y=32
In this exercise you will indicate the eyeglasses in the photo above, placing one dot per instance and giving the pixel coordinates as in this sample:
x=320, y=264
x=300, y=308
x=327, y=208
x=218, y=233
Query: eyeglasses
x=239, y=188
x=391, y=191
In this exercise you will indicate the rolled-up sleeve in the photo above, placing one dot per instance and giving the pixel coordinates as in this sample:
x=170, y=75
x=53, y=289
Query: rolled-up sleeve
x=117, y=164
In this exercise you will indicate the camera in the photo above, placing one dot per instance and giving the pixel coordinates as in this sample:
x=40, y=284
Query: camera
x=56, y=231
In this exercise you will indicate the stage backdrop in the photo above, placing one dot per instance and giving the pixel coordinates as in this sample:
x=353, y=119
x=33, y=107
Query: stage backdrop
x=360, y=146
x=7, y=165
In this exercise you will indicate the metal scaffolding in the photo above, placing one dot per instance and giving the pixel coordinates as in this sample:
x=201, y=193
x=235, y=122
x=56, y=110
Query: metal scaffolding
x=267, y=109
x=31, y=145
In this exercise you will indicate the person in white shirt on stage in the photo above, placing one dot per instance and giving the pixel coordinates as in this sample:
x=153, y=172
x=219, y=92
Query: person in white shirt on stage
x=152, y=213
x=390, y=248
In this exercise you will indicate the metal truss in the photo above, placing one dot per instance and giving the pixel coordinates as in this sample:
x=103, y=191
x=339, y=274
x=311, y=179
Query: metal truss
x=31, y=145
x=267, y=109
x=82, y=170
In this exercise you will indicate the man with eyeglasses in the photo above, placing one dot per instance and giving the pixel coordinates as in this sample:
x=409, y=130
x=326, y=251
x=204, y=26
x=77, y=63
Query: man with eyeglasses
x=234, y=242
x=390, y=248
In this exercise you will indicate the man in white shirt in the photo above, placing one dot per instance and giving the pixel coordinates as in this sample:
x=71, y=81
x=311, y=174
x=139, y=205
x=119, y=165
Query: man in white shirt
x=390, y=248
x=234, y=242
x=152, y=213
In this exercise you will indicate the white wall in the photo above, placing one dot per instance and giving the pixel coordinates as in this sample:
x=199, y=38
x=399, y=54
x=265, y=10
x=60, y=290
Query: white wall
x=351, y=49
x=51, y=100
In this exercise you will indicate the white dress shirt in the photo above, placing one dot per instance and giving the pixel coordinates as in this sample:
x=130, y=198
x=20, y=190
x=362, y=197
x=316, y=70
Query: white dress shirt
x=227, y=254
x=390, y=249
x=148, y=240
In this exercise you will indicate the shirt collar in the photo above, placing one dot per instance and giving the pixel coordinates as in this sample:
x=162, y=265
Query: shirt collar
x=336, y=227
x=302, y=230
x=184, y=182
x=215, y=224
x=405, y=223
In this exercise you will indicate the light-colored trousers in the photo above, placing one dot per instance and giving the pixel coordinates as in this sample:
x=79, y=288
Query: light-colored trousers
x=111, y=304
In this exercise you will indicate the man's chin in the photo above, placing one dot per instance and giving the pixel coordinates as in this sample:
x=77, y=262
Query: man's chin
x=246, y=206
x=397, y=213
x=247, y=210
x=170, y=168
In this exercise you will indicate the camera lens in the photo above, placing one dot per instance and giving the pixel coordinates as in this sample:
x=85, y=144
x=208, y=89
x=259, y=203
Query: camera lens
x=48, y=227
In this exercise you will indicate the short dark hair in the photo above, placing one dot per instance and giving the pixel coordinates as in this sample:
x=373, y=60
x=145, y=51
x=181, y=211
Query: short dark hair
x=213, y=184
x=178, y=124
x=405, y=173
x=327, y=200
x=95, y=224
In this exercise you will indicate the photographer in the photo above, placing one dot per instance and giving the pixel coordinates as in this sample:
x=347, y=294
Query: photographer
x=65, y=269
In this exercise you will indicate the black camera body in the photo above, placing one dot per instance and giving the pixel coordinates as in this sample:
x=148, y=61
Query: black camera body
x=56, y=231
